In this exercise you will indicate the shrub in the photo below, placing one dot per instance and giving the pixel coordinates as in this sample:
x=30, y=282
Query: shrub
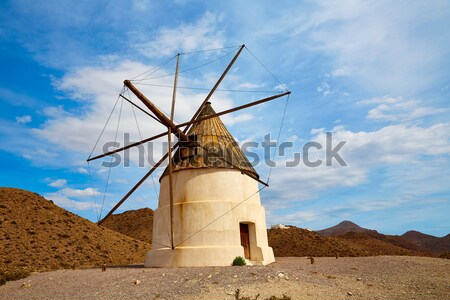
x=12, y=275
x=278, y=298
x=237, y=296
x=239, y=261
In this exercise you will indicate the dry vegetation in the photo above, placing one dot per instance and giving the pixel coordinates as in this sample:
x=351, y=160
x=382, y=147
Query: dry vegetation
x=37, y=235
x=137, y=224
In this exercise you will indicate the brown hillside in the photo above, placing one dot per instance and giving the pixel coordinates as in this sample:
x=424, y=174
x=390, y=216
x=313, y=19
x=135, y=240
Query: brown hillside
x=380, y=244
x=37, y=235
x=428, y=242
x=351, y=231
x=300, y=242
x=137, y=224
x=342, y=228
x=442, y=245
x=394, y=240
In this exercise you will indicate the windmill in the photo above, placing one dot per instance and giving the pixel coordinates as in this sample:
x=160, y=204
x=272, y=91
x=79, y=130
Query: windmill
x=209, y=209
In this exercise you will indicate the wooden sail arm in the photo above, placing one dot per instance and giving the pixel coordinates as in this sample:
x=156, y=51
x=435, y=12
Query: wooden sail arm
x=249, y=174
x=136, y=186
x=159, y=114
x=141, y=109
x=216, y=86
x=224, y=112
x=190, y=123
x=129, y=146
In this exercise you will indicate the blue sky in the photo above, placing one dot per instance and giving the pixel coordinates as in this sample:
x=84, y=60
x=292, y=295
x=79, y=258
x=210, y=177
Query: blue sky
x=374, y=73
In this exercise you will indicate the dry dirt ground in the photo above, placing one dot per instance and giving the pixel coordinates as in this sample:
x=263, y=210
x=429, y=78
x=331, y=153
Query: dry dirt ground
x=382, y=277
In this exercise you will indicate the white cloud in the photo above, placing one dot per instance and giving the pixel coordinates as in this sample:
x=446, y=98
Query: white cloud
x=82, y=171
x=324, y=88
x=384, y=46
x=58, y=183
x=285, y=182
x=342, y=71
x=65, y=202
x=399, y=109
x=298, y=217
x=394, y=145
x=55, y=112
x=202, y=34
x=378, y=45
x=140, y=5
x=97, y=88
x=249, y=85
x=231, y=120
x=391, y=144
x=64, y=197
x=87, y=192
x=24, y=119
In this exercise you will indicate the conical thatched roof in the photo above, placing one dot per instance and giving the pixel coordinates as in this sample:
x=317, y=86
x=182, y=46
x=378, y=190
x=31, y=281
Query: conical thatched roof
x=216, y=148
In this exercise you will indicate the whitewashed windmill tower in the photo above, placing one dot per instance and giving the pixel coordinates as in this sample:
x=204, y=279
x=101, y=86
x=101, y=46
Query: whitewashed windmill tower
x=217, y=211
x=209, y=209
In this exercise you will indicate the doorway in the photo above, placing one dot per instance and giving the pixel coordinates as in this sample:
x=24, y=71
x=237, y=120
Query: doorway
x=245, y=239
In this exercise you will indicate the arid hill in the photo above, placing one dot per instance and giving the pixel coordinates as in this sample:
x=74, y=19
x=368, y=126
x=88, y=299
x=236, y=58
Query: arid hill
x=300, y=242
x=412, y=240
x=137, y=224
x=37, y=235
x=428, y=242
x=342, y=228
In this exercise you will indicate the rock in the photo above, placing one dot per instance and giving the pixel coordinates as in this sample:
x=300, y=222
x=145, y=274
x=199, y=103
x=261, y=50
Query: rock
x=136, y=282
x=229, y=290
x=235, y=276
x=358, y=279
x=209, y=276
x=280, y=275
x=25, y=285
x=350, y=293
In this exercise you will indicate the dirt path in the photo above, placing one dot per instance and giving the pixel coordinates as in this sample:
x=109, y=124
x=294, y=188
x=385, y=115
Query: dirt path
x=384, y=277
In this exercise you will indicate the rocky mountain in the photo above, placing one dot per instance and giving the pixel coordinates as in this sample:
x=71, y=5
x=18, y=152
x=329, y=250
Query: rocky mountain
x=37, y=235
x=428, y=242
x=342, y=228
x=412, y=240
x=300, y=242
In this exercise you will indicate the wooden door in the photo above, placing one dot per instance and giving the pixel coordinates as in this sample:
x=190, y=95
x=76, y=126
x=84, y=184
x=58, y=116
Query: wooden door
x=245, y=239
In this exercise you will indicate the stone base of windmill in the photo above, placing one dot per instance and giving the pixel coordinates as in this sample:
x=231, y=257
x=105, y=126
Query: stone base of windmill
x=201, y=257
x=212, y=226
